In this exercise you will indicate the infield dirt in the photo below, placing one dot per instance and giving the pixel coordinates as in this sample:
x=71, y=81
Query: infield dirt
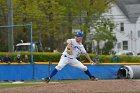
x=79, y=86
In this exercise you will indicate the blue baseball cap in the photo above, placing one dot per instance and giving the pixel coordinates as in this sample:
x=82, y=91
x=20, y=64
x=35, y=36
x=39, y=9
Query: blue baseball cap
x=79, y=34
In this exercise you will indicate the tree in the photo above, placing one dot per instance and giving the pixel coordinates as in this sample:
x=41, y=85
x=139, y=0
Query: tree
x=53, y=13
x=54, y=20
x=3, y=22
x=91, y=11
x=103, y=32
x=25, y=11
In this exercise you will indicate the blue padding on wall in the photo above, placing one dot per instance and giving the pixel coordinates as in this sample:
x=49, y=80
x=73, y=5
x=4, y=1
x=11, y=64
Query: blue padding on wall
x=16, y=72
x=100, y=71
x=105, y=71
x=39, y=71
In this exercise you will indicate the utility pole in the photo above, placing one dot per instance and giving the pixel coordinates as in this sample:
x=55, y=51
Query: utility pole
x=10, y=28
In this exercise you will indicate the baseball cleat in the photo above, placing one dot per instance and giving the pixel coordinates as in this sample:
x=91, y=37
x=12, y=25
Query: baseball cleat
x=93, y=78
x=46, y=79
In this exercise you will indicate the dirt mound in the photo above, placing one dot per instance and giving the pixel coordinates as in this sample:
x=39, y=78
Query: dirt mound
x=80, y=86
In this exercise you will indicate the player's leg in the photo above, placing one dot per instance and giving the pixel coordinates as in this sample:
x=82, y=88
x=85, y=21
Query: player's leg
x=63, y=61
x=76, y=63
x=60, y=65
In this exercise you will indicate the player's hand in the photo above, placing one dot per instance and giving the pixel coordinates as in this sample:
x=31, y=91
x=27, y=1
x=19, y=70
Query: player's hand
x=69, y=49
x=92, y=63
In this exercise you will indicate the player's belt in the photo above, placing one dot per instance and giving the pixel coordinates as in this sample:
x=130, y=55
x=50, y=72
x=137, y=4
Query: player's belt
x=67, y=56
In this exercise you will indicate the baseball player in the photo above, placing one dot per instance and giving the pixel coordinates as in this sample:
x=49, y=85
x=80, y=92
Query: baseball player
x=72, y=51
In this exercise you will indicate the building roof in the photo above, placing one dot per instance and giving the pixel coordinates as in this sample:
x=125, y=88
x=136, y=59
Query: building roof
x=131, y=8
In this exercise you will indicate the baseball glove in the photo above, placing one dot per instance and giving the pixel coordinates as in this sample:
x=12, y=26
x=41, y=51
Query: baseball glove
x=69, y=49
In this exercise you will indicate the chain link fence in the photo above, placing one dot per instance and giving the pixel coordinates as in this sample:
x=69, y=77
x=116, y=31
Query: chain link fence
x=20, y=34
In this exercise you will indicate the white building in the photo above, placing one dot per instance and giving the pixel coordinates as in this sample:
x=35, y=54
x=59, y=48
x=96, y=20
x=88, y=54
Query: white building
x=126, y=15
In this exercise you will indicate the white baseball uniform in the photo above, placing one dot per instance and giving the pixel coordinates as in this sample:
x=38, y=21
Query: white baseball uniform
x=71, y=60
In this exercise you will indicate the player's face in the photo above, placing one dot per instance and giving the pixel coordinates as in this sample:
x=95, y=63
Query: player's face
x=78, y=39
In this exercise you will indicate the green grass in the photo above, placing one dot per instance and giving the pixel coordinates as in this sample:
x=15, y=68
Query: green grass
x=2, y=86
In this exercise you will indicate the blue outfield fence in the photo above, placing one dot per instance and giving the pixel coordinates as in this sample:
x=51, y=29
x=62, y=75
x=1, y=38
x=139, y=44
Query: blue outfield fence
x=16, y=72
x=39, y=71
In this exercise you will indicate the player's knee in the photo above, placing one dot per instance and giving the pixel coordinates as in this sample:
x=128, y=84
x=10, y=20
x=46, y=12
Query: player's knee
x=85, y=68
x=58, y=68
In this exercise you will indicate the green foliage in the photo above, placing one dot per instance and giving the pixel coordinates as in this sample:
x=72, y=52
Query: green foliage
x=55, y=57
x=45, y=57
x=103, y=32
x=53, y=20
x=125, y=58
x=106, y=58
x=107, y=48
x=103, y=29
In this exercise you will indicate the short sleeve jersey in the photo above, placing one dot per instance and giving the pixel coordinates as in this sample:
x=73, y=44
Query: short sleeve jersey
x=77, y=49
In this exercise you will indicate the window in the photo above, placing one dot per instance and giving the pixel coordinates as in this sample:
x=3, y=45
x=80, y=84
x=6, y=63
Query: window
x=119, y=45
x=139, y=33
x=122, y=27
x=125, y=45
